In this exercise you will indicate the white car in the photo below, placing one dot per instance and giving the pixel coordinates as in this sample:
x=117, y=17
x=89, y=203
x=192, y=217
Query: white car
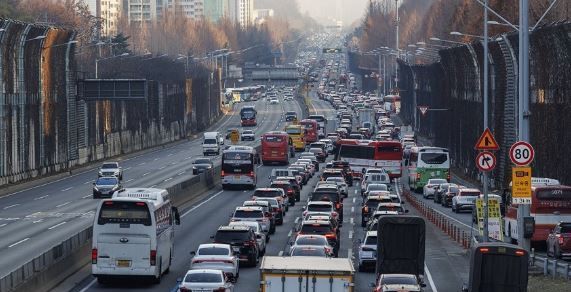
x=248, y=135
x=206, y=280
x=313, y=240
x=274, y=101
x=216, y=256
x=340, y=182
x=399, y=282
x=329, y=145
x=368, y=251
x=261, y=236
x=431, y=186
x=465, y=200
x=110, y=168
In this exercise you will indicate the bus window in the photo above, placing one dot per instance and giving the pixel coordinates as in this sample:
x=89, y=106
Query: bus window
x=434, y=158
x=124, y=213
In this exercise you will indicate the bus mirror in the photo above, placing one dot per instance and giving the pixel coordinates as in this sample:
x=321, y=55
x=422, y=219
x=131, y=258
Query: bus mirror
x=176, y=215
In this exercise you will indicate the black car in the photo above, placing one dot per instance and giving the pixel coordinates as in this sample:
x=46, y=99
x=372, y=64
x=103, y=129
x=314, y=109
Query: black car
x=105, y=186
x=201, y=164
x=242, y=239
x=290, y=116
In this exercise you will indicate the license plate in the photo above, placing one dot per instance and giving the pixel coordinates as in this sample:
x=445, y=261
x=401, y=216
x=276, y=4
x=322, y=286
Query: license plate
x=123, y=263
x=367, y=254
x=274, y=152
x=235, y=249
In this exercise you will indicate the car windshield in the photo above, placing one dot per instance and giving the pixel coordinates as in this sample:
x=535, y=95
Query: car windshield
x=453, y=190
x=377, y=187
x=470, y=194
x=398, y=281
x=318, y=208
x=229, y=236
x=315, y=229
x=109, y=165
x=434, y=158
x=248, y=132
x=202, y=161
x=213, y=251
x=210, y=141
x=106, y=181
x=311, y=252
x=203, y=278
x=371, y=240
x=248, y=214
x=311, y=241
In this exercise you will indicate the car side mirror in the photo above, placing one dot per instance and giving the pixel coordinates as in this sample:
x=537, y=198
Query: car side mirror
x=93, y=183
x=193, y=253
x=178, y=280
x=258, y=236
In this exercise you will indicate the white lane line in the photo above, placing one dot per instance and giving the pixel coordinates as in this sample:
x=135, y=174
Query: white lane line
x=16, y=243
x=354, y=199
x=281, y=253
x=88, y=285
x=353, y=209
x=11, y=206
x=351, y=233
x=42, y=197
x=67, y=189
x=38, y=221
x=57, y=225
x=2, y=225
x=296, y=220
x=199, y=205
x=142, y=163
x=88, y=182
x=127, y=168
x=129, y=180
x=170, y=155
x=61, y=205
x=355, y=192
x=430, y=280
x=352, y=221
x=189, y=157
x=146, y=173
x=181, y=173
x=349, y=253
x=289, y=234
x=155, y=159
x=162, y=167
x=87, y=196
x=168, y=179
x=174, y=163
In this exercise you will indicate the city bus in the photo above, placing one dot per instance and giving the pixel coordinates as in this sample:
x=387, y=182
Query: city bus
x=425, y=163
x=297, y=135
x=364, y=154
x=133, y=234
x=550, y=204
x=322, y=124
x=248, y=116
x=276, y=147
x=239, y=167
x=310, y=126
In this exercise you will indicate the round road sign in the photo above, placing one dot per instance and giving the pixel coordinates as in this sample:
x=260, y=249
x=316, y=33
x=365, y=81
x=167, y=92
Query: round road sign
x=522, y=153
x=486, y=161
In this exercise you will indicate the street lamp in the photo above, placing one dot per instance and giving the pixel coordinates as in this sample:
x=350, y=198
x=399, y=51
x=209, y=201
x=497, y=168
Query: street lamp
x=97, y=62
x=40, y=37
x=446, y=41
x=466, y=34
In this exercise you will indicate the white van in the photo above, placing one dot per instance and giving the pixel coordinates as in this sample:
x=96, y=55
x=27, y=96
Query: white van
x=133, y=234
x=211, y=143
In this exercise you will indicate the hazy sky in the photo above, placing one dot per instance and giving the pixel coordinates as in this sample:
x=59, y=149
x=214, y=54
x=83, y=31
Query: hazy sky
x=347, y=10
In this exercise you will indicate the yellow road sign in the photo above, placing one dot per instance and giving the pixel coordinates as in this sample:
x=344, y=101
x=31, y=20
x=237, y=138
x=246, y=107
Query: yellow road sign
x=234, y=136
x=521, y=185
x=494, y=218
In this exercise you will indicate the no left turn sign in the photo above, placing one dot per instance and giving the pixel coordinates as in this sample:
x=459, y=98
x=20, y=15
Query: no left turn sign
x=486, y=161
x=522, y=153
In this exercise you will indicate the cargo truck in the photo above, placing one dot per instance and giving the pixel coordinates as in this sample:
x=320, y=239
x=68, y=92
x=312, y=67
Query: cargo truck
x=400, y=245
x=312, y=274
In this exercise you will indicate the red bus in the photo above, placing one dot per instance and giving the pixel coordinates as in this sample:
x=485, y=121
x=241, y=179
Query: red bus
x=550, y=204
x=370, y=154
x=311, y=127
x=276, y=147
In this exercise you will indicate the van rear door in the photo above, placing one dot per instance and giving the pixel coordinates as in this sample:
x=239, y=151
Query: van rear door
x=130, y=251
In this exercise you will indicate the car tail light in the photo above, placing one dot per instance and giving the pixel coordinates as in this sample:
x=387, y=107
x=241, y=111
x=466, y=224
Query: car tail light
x=330, y=235
x=153, y=257
x=338, y=206
x=250, y=243
x=94, y=256
x=559, y=238
x=222, y=173
x=520, y=252
x=251, y=174
x=418, y=175
x=448, y=177
x=484, y=249
x=365, y=209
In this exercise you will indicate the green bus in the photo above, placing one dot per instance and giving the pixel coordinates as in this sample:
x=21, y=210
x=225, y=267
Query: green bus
x=425, y=163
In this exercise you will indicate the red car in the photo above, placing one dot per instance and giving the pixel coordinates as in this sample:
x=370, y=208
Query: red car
x=559, y=240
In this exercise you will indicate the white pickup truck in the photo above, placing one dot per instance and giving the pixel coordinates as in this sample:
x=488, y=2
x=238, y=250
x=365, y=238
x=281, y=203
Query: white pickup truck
x=279, y=274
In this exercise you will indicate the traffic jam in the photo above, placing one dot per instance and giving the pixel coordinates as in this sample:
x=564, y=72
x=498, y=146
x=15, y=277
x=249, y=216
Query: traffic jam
x=355, y=152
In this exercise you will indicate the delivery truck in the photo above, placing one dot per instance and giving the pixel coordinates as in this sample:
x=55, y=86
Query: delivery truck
x=306, y=274
x=400, y=245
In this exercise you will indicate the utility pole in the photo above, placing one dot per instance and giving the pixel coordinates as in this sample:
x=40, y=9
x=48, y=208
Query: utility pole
x=397, y=45
x=523, y=105
x=485, y=173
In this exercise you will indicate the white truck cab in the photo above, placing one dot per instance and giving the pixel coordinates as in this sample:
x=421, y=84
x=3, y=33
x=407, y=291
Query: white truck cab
x=211, y=143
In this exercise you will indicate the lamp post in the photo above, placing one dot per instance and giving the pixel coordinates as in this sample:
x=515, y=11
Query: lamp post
x=97, y=62
x=397, y=45
x=486, y=73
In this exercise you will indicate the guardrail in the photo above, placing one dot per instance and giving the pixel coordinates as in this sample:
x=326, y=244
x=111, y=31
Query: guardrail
x=62, y=260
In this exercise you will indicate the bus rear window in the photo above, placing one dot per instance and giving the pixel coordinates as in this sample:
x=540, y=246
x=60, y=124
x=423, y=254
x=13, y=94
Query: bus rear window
x=354, y=151
x=275, y=139
x=293, y=131
x=124, y=212
x=554, y=195
x=237, y=156
x=434, y=158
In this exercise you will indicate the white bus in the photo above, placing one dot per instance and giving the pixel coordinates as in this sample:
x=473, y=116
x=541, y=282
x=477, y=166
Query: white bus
x=239, y=167
x=425, y=163
x=133, y=234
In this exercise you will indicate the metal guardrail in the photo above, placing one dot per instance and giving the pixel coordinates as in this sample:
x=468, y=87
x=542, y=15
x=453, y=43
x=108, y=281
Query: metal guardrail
x=553, y=267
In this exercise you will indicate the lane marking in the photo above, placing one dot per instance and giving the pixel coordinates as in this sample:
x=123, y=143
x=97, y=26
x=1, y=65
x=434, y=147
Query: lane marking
x=88, y=285
x=42, y=197
x=181, y=173
x=129, y=180
x=430, y=280
x=38, y=221
x=352, y=221
x=199, y=205
x=67, y=189
x=16, y=243
x=88, y=182
x=289, y=234
x=296, y=220
x=153, y=186
x=142, y=163
x=281, y=253
x=351, y=233
x=2, y=225
x=169, y=155
x=353, y=209
x=61, y=205
x=155, y=159
x=354, y=199
x=189, y=157
x=11, y=206
x=85, y=197
x=168, y=179
x=146, y=173
x=57, y=225
x=350, y=253
x=127, y=168
x=162, y=167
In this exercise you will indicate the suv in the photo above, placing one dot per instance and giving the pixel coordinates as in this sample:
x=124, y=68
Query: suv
x=368, y=251
x=294, y=183
x=277, y=193
x=287, y=188
x=276, y=210
x=242, y=239
x=290, y=116
x=465, y=200
x=559, y=240
x=324, y=228
x=267, y=208
x=252, y=213
x=333, y=197
x=370, y=206
x=110, y=169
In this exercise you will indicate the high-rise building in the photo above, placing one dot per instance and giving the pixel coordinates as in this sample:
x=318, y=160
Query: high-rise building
x=109, y=11
x=214, y=10
x=260, y=15
x=188, y=8
x=241, y=11
x=145, y=10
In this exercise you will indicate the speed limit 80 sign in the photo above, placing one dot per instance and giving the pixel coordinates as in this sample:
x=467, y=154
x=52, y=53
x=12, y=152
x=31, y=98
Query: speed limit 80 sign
x=521, y=153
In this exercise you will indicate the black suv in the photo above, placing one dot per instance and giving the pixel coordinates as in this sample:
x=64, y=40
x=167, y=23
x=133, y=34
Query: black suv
x=242, y=239
x=290, y=116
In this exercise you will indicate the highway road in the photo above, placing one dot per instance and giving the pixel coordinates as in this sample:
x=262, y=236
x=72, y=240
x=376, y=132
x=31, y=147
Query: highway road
x=32, y=220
